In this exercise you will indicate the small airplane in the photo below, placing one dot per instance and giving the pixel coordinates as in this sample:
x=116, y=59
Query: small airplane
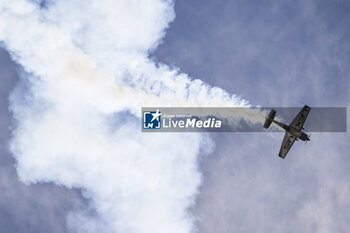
x=293, y=130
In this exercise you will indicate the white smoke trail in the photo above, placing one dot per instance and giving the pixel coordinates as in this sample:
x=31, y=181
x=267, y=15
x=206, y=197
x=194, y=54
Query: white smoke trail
x=78, y=109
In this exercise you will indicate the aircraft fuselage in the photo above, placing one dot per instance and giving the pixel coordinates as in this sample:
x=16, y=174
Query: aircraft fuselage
x=299, y=134
x=294, y=131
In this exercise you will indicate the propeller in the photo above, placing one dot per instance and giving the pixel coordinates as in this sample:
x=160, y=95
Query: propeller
x=301, y=102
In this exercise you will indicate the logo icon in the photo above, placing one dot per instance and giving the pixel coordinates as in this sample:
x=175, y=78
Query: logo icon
x=152, y=119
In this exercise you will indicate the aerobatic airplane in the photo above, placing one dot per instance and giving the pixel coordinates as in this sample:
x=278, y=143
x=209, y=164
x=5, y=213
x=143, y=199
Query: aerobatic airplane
x=293, y=130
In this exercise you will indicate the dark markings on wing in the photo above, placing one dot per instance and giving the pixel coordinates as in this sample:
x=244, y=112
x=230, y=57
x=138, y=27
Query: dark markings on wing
x=299, y=120
x=287, y=143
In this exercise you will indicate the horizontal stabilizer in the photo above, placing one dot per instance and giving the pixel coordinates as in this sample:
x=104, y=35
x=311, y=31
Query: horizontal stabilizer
x=269, y=119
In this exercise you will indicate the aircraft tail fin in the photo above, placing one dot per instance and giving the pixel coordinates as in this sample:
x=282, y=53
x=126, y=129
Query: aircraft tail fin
x=269, y=118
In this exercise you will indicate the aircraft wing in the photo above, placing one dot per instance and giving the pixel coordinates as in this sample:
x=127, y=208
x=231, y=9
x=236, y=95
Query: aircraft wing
x=287, y=143
x=299, y=120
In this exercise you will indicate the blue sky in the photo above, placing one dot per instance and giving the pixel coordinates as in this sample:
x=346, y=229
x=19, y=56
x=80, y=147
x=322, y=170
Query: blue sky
x=272, y=53
x=260, y=50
